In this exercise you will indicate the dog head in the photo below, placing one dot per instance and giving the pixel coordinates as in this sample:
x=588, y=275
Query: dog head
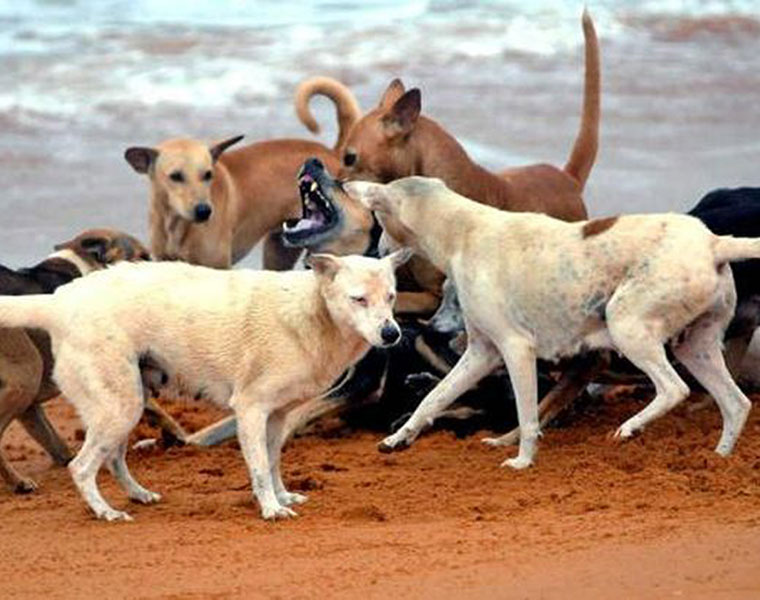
x=360, y=292
x=332, y=221
x=98, y=248
x=182, y=170
x=378, y=146
x=398, y=206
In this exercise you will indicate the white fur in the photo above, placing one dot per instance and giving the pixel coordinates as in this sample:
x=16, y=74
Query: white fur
x=259, y=342
x=534, y=287
x=69, y=255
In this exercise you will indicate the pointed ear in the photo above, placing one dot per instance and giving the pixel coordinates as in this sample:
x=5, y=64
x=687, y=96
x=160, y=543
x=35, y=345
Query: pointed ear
x=402, y=118
x=217, y=149
x=371, y=195
x=399, y=257
x=141, y=158
x=393, y=92
x=324, y=265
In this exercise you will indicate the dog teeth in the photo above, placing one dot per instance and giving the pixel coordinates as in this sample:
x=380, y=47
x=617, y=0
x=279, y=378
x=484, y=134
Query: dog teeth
x=313, y=187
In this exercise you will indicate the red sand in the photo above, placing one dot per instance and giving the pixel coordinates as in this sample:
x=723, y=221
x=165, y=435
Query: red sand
x=658, y=517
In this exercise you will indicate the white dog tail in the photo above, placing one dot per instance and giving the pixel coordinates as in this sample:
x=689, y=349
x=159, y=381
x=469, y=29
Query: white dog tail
x=732, y=249
x=34, y=311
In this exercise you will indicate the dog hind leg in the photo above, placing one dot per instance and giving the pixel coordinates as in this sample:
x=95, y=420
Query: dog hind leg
x=39, y=427
x=700, y=353
x=644, y=349
x=117, y=464
x=109, y=399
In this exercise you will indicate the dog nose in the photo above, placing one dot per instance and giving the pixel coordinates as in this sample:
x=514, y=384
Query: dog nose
x=390, y=334
x=202, y=212
x=313, y=165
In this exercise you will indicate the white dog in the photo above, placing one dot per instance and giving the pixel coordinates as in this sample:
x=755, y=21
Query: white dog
x=534, y=287
x=260, y=342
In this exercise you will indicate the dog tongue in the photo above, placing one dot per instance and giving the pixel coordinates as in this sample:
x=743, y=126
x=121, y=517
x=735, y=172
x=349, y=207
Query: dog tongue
x=308, y=222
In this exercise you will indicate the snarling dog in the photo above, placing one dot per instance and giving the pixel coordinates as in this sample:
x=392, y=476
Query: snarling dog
x=259, y=342
x=211, y=209
x=632, y=284
x=26, y=361
x=331, y=221
x=394, y=140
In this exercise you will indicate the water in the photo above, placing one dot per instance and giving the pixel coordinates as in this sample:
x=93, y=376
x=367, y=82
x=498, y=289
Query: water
x=81, y=81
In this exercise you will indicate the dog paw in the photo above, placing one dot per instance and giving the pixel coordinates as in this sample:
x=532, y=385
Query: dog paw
x=517, y=463
x=114, y=515
x=624, y=432
x=145, y=496
x=25, y=486
x=291, y=498
x=272, y=513
x=393, y=444
x=146, y=444
x=505, y=440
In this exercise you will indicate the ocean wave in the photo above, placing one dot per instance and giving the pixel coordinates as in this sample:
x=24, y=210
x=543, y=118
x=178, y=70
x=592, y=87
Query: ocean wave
x=68, y=58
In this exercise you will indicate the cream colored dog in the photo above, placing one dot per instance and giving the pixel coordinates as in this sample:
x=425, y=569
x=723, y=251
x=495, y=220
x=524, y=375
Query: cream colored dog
x=259, y=342
x=532, y=287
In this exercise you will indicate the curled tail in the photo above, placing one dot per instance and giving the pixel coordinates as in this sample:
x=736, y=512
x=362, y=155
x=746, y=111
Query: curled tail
x=731, y=249
x=34, y=311
x=346, y=106
x=586, y=144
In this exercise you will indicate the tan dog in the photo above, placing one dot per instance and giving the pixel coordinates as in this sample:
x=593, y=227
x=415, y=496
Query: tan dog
x=535, y=287
x=211, y=209
x=394, y=140
x=259, y=342
x=26, y=362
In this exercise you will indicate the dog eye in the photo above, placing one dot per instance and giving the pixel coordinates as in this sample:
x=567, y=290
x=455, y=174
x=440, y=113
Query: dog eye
x=177, y=176
x=349, y=159
x=208, y=176
x=391, y=298
x=360, y=300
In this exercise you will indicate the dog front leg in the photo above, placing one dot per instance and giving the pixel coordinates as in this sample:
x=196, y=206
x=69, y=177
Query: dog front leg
x=520, y=359
x=480, y=358
x=252, y=427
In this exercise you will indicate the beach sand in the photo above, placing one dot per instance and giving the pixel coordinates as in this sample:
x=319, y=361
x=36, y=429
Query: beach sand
x=658, y=517
x=661, y=516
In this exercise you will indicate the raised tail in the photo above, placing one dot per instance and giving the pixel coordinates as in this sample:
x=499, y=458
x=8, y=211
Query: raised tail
x=731, y=249
x=346, y=106
x=34, y=311
x=586, y=144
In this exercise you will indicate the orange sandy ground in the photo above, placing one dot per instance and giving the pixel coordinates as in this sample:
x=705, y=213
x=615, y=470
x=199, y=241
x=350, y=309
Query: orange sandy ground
x=658, y=517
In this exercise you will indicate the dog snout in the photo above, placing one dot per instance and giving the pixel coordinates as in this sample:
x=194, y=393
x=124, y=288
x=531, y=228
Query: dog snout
x=390, y=334
x=202, y=212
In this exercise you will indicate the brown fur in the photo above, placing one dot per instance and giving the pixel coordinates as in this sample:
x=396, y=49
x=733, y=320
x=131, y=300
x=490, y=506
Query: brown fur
x=347, y=107
x=394, y=141
x=251, y=193
x=597, y=226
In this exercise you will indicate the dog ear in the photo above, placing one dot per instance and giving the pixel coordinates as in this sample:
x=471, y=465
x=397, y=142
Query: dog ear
x=393, y=92
x=217, y=149
x=402, y=118
x=141, y=158
x=371, y=195
x=97, y=248
x=324, y=265
x=399, y=257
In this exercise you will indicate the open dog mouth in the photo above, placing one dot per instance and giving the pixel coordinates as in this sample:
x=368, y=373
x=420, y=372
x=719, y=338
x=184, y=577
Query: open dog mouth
x=319, y=213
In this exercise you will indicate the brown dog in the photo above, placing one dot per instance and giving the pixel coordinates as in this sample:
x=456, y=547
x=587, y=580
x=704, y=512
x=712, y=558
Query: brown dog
x=212, y=209
x=394, y=140
x=25, y=355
